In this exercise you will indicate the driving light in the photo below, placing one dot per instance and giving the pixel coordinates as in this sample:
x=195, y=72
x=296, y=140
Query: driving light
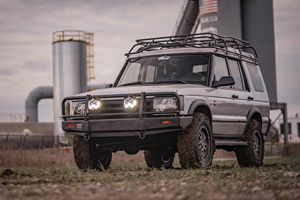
x=130, y=102
x=94, y=104
x=161, y=104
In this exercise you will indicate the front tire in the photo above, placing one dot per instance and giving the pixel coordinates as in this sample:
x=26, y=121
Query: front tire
x=253, y=153
x=155, y=159
x=196, y=146
x=87, y=157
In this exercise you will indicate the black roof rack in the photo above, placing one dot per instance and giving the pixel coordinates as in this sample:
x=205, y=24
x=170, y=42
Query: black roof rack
x=199, y=40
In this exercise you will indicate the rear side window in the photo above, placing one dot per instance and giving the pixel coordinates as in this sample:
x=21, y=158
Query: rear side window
x=255, y=77
x=220, y=68
x=235, y=72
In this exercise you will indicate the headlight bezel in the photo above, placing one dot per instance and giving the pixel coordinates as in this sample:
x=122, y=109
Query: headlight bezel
x=165, y=104
x=77, y=108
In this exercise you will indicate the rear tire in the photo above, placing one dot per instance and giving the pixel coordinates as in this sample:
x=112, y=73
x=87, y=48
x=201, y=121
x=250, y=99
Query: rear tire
x=253, y=153
x=196, y=146
x=155, y=159
x=87, y=157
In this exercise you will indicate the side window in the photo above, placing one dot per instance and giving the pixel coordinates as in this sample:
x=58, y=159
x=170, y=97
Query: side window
x=255, y=77
x=220, y=68
x=235, y=72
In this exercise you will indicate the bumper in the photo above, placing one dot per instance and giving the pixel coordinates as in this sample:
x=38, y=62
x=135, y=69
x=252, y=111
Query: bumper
x=126, y=127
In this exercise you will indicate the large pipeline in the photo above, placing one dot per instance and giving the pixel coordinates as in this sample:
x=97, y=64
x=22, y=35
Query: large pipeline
x=33, y=98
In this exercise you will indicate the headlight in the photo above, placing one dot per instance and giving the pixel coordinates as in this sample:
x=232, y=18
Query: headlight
x=94, y=104
x=161, y=104
x=77, y=108
x=130, y=103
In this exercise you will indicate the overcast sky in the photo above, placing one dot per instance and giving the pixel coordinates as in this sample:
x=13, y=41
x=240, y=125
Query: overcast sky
x=26, y=28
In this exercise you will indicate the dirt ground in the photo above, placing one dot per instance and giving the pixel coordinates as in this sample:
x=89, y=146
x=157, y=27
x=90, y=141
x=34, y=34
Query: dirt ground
x=129, y=178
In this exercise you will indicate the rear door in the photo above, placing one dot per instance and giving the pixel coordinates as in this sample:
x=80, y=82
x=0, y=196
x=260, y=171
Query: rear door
x=242, y=93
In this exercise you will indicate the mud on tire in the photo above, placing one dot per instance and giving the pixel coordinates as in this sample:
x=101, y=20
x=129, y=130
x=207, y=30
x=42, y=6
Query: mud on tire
x=253, y=153
x=196, y=146
x=155, y=159
x=87, y=157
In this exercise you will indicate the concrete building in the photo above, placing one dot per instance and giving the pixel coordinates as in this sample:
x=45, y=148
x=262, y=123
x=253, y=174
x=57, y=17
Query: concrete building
x=293, y=129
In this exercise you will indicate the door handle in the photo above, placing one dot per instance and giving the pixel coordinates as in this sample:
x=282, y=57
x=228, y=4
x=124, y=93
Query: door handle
x=250, y=98
x=235, y=96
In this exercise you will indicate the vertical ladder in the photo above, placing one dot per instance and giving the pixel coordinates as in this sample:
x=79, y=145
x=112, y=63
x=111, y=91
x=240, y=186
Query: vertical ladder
x=90, y=57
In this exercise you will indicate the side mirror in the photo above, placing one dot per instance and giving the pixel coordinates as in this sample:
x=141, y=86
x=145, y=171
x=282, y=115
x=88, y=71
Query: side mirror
x=224, y=81
x=108, y=85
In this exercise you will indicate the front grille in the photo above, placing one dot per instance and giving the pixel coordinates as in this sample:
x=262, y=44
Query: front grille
x=112, y=106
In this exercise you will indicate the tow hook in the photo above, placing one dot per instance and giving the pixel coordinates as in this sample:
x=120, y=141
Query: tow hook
x=87, y=137
x=141, y=135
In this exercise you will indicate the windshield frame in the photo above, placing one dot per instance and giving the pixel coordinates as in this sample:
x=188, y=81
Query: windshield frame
x=173, y=54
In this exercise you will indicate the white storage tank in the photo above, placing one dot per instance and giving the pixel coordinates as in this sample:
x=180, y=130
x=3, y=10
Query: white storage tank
x=69, y=70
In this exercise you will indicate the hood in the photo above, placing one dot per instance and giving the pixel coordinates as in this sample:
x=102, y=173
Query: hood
x=140, y=88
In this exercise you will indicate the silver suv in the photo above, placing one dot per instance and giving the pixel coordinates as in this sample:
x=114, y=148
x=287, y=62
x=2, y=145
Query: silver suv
x=185, y=94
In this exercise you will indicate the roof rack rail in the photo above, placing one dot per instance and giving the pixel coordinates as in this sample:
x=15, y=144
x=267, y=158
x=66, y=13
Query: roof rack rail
x=199, y=40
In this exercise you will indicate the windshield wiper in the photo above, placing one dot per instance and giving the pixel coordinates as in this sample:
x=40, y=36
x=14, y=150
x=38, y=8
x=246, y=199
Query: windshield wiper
x=171, y=81
x=133, y=83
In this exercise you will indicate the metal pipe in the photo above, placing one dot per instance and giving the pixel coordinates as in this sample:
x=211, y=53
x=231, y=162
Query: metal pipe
x=39, y=93
x=32, y=100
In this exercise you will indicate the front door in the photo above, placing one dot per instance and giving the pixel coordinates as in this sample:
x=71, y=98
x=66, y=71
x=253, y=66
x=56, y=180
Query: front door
x=224, y=106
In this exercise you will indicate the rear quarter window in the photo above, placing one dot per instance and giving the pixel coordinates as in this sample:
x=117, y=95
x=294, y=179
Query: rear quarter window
x=255, y=77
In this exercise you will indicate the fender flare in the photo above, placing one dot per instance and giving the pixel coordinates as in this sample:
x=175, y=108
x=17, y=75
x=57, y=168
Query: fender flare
x=250, y=113
x=195, y=104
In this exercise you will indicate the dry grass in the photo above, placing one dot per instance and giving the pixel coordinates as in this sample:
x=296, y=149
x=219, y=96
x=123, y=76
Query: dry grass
x=278, y=179
x=35, y=157
x=11, y=157
x=52, y=174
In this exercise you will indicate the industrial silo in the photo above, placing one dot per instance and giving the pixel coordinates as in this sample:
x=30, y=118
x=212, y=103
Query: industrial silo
x=69, y=70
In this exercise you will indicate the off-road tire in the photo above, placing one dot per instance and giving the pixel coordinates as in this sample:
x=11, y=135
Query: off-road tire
x=188, y=143
x=247, y=155
x=154, y=159
x=86, y=156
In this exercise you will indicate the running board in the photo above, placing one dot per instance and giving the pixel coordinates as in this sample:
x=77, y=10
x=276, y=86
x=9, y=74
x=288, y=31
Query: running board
x=230, y=143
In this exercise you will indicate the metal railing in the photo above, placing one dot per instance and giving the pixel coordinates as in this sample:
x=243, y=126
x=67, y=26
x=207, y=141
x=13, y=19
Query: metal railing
x=70, y=35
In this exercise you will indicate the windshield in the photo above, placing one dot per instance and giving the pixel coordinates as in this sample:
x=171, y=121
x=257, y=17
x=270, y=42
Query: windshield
x=166, y=69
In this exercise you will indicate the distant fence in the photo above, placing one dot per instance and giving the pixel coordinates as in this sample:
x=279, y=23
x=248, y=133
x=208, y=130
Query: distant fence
x=33, y=141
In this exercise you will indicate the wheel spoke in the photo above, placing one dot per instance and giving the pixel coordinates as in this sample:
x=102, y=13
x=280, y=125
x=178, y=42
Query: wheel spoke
x=256, y=144
x=203, y=141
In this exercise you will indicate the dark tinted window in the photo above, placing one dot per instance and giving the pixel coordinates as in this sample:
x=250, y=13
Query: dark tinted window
x=289, y=128
x=255, y=77
x=298, y=126
x=220, y=68
x=235, y=72
x=281, y=129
